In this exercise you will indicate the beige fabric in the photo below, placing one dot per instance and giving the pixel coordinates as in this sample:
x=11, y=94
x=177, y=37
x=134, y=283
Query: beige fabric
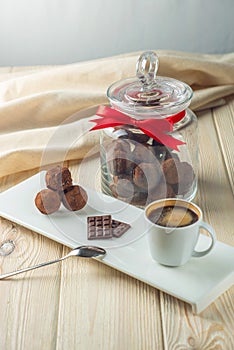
x=36, y=104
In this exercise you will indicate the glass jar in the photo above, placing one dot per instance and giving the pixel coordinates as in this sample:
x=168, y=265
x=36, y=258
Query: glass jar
x=149, y=150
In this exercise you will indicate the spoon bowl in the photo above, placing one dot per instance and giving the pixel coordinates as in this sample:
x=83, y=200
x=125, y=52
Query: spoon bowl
x=89, y=251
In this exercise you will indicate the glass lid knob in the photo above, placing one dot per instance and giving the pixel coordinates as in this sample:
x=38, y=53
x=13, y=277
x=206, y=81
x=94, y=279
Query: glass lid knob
x=146, y=90
x=146, y=69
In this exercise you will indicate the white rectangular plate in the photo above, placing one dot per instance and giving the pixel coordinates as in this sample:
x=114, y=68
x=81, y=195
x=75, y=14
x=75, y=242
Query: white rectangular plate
x=198, y=283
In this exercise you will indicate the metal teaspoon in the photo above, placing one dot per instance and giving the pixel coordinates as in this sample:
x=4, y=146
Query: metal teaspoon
x=82, y=251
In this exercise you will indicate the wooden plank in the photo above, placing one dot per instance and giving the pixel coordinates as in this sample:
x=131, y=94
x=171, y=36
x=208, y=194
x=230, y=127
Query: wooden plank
x=224, y=122
x=215, y=192
x=101, y=308
x=213, y=328
x=29, y=302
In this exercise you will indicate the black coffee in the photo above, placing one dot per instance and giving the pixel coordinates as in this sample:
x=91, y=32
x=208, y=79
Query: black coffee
x=173, y=216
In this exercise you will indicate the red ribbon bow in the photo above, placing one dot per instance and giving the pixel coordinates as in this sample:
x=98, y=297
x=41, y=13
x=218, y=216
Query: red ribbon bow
x=155, y=128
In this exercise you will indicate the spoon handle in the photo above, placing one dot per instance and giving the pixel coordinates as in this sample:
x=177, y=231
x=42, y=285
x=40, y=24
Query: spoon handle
x=6, y=275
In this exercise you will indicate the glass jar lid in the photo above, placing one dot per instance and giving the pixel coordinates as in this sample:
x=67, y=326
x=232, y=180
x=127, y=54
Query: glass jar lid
x=148, y=93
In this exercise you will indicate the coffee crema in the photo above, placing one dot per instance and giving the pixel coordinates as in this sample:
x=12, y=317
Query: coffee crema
x=173, y=216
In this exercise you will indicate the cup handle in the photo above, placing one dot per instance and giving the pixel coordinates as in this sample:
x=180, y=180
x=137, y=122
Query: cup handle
x=212, y=234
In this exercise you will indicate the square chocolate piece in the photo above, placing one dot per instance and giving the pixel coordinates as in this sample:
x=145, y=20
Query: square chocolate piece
x=99, y=227
x=119, y=228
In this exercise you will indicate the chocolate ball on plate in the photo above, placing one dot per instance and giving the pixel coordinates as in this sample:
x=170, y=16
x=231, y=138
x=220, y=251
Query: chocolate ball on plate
x=74, y=198
x=47, y=201
x=58, y=178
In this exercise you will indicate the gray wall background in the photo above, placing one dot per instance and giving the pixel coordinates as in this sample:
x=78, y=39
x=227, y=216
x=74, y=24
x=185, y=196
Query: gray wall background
x=65, y=31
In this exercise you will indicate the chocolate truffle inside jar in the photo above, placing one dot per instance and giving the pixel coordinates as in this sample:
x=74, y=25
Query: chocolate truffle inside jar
x=117, y=145
x=170, y=169
x=147, y=175
x=120, y=164
x=160, y=151
x=74, y=198
x=124, y=189
x=163, y=190
x=47, y=201
x=142, y=153
x=117, y=157
x=137, y=135
x=185, y=178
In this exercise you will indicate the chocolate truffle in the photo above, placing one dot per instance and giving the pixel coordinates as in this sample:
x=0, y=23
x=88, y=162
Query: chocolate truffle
x=116, y=178
x=142, y=153
x=161, y=152
x=128, y=192
x=124, y=188
x=117, y=145
x=147, y=175
x=163, y=190
x=58, y=178
x=117, y=157
x=185, y=176
x=132, y=133
x=139, y=198
x=120, y=163
x=74, y=198
x=47, y=201
x=170, y=169
x=138, y=136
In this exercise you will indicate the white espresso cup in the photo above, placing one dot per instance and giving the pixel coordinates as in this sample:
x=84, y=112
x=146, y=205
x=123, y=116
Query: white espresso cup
x=174, y=245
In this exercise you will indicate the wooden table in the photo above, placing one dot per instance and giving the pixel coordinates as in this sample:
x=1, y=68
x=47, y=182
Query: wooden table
x=85, y=305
